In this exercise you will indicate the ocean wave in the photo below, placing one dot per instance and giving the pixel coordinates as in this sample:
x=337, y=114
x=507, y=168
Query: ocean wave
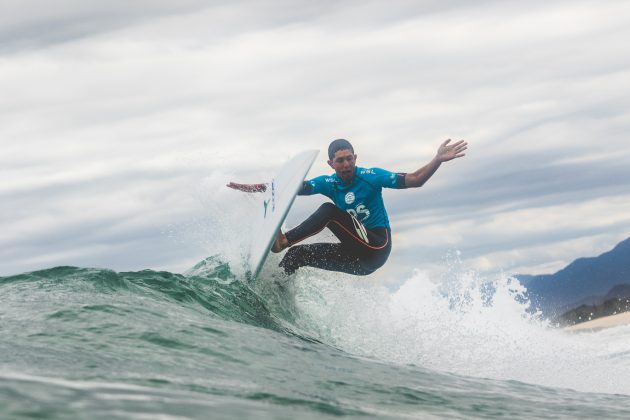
x=461, y=323
x=209, y=285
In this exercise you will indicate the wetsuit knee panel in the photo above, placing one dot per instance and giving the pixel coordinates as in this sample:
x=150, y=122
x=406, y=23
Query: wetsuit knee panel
x=327, y=208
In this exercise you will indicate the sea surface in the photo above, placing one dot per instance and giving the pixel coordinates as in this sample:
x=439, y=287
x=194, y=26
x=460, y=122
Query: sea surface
x=91, y=343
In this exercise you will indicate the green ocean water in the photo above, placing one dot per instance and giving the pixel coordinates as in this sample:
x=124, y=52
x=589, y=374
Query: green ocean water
x=90, y=343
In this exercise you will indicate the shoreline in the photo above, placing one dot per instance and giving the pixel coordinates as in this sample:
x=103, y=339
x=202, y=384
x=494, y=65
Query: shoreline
x=601, y=323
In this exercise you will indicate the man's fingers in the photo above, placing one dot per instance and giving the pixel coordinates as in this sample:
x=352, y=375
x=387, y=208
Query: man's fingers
x=235, y=186
x=460, y=146
x=455, y=146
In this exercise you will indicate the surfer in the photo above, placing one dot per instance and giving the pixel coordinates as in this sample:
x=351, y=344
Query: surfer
x=356, y=215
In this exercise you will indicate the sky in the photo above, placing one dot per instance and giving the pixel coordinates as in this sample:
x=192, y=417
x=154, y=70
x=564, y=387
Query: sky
x=121, y=121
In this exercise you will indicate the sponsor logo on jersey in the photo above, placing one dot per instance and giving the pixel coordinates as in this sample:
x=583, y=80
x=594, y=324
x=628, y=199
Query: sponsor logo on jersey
x=361, y=212
x=367, y=171
x=349, y=198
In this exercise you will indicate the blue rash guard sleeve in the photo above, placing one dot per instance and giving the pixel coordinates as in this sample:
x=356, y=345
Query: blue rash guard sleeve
x=320, y=185
x=387, y=179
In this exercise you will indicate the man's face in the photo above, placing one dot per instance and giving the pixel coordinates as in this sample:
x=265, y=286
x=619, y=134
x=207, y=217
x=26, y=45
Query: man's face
x=343, y=163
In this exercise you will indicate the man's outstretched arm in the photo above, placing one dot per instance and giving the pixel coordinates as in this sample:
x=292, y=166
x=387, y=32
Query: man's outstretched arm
x=445, y=153
x=248, y=187
x=306, y=189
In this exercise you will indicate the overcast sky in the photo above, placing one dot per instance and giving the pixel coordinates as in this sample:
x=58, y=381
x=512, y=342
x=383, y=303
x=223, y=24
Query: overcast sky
x=120, y=122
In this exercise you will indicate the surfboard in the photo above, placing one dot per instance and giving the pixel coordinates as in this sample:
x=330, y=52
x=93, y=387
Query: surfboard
x=275, y=207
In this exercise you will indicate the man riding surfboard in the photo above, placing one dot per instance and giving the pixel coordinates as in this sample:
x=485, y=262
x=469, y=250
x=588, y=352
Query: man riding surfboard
x=356, y=215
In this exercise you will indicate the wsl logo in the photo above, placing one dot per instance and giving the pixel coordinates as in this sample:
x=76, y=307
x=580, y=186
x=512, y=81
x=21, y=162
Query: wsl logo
x=349, y=198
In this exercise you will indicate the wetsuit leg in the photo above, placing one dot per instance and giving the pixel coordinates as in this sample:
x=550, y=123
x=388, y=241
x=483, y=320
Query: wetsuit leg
x=326, y=256
x=360, y=251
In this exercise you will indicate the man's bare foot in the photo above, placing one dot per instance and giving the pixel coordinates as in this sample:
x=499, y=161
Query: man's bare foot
x=280, y=243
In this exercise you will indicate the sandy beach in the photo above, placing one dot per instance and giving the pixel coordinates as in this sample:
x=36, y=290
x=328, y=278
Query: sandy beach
x=601, y=323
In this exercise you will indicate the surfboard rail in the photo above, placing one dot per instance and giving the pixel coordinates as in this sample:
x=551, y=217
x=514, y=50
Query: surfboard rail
x=281, y=193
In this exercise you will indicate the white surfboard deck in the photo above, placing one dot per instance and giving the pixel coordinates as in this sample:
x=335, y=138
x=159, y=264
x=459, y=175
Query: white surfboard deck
x=275, y=207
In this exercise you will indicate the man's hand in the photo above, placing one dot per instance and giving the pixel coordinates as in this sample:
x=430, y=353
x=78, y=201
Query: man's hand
x=248, y=187
x=445, y=153
x=455, y=150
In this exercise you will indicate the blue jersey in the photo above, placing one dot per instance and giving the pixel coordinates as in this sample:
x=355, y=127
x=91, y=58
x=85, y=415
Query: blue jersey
x=363, y=197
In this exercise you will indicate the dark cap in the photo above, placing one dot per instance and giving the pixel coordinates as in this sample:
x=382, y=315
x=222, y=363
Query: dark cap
x=339, y=144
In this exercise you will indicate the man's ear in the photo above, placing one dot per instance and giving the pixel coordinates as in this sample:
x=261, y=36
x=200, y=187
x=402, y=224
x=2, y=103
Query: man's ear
x=330, y=163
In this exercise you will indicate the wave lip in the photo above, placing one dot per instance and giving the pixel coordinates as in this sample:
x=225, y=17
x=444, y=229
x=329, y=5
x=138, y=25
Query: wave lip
x=210, y=285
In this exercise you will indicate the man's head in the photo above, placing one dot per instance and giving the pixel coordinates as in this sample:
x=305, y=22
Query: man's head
x=342, y=159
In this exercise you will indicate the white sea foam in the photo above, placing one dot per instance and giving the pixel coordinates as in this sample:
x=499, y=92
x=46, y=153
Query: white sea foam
x=461, y=323
x=221, y=227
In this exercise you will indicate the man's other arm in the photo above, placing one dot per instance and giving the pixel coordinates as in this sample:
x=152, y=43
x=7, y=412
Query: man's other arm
x=445, y=153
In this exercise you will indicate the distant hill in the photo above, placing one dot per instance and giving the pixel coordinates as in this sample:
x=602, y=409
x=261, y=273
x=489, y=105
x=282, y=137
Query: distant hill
x=584, y=281
x=619, y=292
x=616, y=301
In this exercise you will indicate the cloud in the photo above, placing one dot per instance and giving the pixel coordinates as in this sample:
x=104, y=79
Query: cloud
x=25, y=24
x=113, y=113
